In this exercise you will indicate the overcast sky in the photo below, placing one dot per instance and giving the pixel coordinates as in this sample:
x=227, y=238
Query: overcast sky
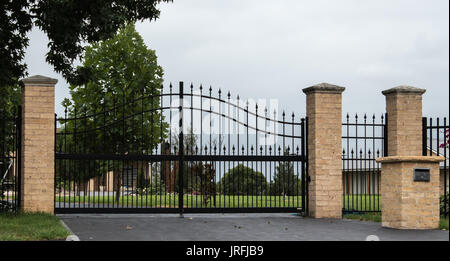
x=274, y=49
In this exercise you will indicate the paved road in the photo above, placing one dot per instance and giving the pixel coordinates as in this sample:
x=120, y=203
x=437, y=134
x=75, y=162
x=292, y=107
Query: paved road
x=234, y=227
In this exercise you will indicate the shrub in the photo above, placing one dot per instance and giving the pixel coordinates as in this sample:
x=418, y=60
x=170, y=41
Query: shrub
x=444, y=204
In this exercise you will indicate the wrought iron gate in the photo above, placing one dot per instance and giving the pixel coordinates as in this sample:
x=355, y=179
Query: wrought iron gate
x=175, y=152
x=363, y=141
x=435, y=140
x=10, y=168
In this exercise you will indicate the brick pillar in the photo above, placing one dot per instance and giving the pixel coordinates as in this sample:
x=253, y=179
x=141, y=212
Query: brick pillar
x=324, y=112
x=404, y=110
x=38, y=155
x=406, y=201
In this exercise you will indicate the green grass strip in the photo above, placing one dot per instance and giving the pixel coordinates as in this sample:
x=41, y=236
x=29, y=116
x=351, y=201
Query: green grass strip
x=31, y=227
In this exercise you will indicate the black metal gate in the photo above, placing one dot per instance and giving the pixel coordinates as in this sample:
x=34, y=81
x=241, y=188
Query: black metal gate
x=10, y=169
x=179, y=152
x=364, y=140
x=435, y=141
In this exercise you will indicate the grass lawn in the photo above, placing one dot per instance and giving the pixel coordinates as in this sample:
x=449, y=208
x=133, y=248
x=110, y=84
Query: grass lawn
x=376, y=217
x=361, y=202
x=443, y=223
x=191, y=201
x=31, y=227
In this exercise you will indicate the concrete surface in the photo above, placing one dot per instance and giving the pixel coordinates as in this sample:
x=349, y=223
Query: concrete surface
x=235, y=227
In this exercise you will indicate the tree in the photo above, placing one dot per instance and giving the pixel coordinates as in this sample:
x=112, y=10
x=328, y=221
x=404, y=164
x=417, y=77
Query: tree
x=68, y=24
x=9, y=100
x=123, y=97
x=194, y=177
x=242, y=180
x=285, y=182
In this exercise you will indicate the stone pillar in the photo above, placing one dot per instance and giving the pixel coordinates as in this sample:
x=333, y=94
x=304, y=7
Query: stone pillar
x=324, y=112
x=38, y=154
x=404, y=110
x=406, y=201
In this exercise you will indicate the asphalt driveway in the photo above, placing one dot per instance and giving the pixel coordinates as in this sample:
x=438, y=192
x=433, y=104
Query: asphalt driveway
x=234, y=227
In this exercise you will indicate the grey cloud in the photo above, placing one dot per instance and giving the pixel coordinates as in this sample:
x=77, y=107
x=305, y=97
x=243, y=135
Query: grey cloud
x=273, y=49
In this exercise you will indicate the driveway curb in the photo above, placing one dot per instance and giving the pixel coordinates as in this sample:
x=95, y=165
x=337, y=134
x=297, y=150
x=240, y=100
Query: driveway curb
x=72, y=236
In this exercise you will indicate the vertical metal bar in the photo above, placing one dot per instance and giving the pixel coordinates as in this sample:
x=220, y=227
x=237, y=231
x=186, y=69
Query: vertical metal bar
x=170, y=146
x=238, y=133
x=201, y=123
x=378, y=181
x=348, y=161
x=386, y=137
x=361, y=183
x=75, y=166
x=181, y=154
x=256, y=153
x=445, y=168
x=431, y=137
x=437, y=137
x=192, y=141
x=143, y=151
x=265, y=152
x=229, y=138
x=424, y=136
x=371, y=173
x=261, y=196
x=106, y=164
x=65, y=161
x=84, y=166
x=54, y=167
x=19, y=157
x=365, y=163
x=270, y=178
x=303, y=164
x=356, y=161
x=291, y=188
x=238, y=124
x=121, y=188
x=307, y=166
x=352, y=182
x=283, y=152
x=163, y=166
x=246, y=110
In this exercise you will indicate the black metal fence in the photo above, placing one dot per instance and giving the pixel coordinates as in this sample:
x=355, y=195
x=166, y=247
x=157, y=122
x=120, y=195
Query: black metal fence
x=184, y=151
x=10, y=171
x=435, y=140
x=364, y=140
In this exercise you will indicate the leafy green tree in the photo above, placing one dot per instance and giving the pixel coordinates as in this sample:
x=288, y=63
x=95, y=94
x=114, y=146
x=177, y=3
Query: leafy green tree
x=10, y=98
x=154, y=187
x=191, y=179
x=285, y=182
x=9, y=101
x=122, y=95
x=199, y=177
x=69, y=25
x=242, y=180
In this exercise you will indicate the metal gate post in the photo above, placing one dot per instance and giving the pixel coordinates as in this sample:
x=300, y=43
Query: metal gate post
x=303, y=167
x=424, y=136
x=385, y=136
x=306, y=161
x=181, y=154
x=19, y=158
